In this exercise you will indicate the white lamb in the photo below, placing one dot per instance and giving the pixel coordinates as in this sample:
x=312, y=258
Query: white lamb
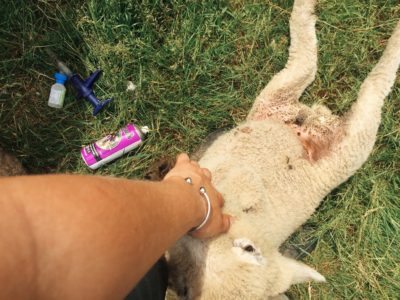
x=274, y=170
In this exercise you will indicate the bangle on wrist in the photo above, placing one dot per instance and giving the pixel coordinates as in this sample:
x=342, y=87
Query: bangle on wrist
x=203, y=192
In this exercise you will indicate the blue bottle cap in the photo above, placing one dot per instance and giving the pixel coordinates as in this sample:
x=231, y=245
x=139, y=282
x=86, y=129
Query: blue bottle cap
x=60, y=78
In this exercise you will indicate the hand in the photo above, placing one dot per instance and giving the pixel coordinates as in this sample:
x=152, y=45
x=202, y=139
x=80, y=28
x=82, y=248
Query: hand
x=218, y=222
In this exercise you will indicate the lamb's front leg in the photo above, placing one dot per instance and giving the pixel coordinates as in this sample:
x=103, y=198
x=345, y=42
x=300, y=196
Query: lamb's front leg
x=280, y=96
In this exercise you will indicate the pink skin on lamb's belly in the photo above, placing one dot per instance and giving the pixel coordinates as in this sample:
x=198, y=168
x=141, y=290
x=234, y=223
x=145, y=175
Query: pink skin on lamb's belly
x=315, y=145
x=317, y=136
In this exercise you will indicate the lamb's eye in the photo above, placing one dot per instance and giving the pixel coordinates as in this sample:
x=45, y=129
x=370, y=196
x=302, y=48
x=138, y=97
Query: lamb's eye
x=249, y=248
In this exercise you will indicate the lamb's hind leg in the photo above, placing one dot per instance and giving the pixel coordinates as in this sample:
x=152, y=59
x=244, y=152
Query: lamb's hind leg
x=279, y=98
x=362, y=122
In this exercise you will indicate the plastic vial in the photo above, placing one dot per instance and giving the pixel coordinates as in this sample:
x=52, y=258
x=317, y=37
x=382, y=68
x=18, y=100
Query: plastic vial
x=57, y=92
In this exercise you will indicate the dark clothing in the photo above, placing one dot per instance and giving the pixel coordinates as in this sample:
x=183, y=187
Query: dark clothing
x=153, y=285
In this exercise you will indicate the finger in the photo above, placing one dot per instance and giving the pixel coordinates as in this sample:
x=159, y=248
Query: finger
x=220, y=200
x=183, y=157
x=226, y=223
x=195, y=163
x=206, y=173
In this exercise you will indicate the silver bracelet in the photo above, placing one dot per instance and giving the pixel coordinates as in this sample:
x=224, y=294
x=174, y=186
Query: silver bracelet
x=204, y=193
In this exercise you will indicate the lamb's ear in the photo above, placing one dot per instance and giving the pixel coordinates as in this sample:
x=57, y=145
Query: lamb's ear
x=300, y=272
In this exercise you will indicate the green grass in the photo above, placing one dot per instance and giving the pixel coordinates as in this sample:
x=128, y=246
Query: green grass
x=198, y=66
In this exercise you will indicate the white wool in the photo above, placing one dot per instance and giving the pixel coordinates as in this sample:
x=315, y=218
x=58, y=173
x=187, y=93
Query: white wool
x=268, y=182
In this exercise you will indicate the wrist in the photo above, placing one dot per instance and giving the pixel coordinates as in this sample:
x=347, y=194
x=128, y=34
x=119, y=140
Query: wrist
x=203, y=192
x=188, y=197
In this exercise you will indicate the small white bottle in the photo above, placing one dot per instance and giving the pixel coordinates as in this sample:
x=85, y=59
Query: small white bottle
x=57, y=92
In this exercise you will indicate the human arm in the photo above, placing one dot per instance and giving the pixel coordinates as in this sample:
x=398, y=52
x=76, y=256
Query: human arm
x=80, y=237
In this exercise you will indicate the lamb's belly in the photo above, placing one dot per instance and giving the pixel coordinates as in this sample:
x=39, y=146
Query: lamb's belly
x=255, y=167
x=262, y=146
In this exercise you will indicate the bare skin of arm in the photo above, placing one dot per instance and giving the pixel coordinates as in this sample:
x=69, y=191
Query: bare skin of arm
x=88, y=237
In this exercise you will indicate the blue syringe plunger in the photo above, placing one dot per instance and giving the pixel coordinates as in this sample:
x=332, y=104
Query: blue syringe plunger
x=84, y=89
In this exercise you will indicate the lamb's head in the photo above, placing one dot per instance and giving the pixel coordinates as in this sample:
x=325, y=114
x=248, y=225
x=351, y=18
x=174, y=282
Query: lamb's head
x=230, y=267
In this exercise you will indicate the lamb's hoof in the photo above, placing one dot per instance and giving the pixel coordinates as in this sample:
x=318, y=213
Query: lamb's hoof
x=159, y=169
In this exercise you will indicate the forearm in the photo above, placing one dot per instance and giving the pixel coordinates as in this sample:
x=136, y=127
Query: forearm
x=98, y=235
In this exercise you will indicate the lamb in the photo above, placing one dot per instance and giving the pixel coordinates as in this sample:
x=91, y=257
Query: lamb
x=273, y=171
